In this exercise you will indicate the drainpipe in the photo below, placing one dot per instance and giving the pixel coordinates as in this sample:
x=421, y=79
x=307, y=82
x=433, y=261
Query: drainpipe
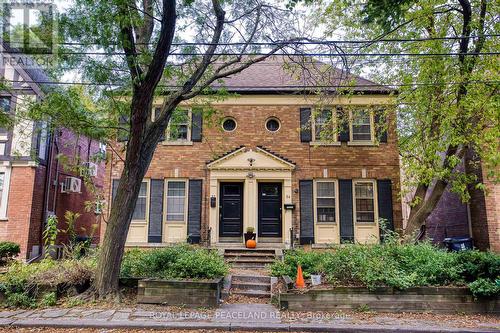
x=48, y=178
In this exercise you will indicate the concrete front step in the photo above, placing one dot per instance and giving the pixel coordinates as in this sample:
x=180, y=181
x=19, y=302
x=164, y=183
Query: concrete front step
x=249, y=254
x=250, y=286
x=251, y=279
x=248, y=265
x=247, y=259
x=251, y=293
x=245, y=250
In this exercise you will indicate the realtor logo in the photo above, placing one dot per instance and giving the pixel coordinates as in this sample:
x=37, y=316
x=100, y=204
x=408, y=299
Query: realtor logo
x=28, y=27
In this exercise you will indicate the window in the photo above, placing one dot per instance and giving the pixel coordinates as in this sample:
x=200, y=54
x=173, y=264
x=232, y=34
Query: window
x=176, y=201
x=140, y=206
x=2, y=179
x=229, y=124
x=361, y=128
x=273, y=125
x=322, y=124
x=325, y=201
x=5, y=104
x=365, y=207
x=179, y=126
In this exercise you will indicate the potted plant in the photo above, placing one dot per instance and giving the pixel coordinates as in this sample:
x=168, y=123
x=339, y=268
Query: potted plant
x=250, y=234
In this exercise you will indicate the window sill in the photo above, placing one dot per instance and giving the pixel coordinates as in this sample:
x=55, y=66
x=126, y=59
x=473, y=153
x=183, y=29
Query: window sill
x=4, y=219
x=139, y=222
x=367, y=224
x=362, y=143
x=177, y=143
x=326, y=223
x=318, y=143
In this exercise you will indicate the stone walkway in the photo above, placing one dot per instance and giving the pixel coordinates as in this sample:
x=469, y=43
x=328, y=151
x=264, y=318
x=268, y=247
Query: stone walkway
x=230, y=317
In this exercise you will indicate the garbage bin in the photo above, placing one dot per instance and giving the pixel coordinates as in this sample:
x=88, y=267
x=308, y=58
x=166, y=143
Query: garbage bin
x=458, y=243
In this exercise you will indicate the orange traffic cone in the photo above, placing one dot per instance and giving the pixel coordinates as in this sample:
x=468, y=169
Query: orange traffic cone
x=299, y=281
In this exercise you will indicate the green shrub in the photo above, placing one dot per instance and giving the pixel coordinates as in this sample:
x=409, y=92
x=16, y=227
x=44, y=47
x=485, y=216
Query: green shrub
x=23, y=284
x=8, y=250
x=49, y=299
x=484, y=287
x=180, y=261
x=397, y=265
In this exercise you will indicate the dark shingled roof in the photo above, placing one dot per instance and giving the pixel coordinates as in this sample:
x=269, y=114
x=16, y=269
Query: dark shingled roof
x=293, y=75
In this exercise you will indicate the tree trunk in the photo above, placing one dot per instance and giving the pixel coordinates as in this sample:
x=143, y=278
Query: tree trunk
x=112, y=248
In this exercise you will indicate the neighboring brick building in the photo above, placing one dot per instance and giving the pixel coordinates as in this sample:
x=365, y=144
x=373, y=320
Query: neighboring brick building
x=266, y=164
x=30, y=174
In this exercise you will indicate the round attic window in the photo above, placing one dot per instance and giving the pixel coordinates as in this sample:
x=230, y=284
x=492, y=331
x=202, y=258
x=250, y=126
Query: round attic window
x=273, y=124
x=229, y=124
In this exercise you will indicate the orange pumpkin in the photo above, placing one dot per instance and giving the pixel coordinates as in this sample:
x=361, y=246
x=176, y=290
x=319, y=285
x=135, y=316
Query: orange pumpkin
x=251, y=243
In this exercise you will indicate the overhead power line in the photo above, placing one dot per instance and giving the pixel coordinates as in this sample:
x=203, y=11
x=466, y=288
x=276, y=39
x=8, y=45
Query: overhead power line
x=309, y=42
x=305, y=54
x=273, y=87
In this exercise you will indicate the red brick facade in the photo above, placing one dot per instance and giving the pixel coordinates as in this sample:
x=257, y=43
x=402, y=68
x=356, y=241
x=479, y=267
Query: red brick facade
x=338, y=162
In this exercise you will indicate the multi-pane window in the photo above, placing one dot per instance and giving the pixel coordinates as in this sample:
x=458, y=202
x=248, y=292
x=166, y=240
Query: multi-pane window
x=5, y=104
x=325, y=201
x=365, y=206
x=323, y=125
x=140, y=206
x=361, y=125
x=179, y=125
x=2, y=179
x=176, y=201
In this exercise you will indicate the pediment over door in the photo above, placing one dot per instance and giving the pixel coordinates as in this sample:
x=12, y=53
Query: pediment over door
x=251, y=159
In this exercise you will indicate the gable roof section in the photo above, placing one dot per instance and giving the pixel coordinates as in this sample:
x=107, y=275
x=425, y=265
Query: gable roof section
x=294, y=74
x=243, y=158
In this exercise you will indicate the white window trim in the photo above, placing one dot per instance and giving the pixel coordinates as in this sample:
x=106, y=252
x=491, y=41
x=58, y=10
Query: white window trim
x=177, y=142
x=315, y=198
x=5, y=193
x=375, y=201
x=317, y=142
x=186, y=196
x=370, y=142
x=146, y=215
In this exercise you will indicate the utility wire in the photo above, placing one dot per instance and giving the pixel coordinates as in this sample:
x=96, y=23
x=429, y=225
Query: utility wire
x=375, y=85
x=331, y=55
x=326, y=42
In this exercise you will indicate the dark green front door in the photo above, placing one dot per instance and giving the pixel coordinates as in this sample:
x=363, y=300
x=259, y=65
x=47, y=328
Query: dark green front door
x=270, y=210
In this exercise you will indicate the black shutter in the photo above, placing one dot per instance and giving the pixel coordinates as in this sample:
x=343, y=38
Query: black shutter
x=194, y=210
x=381, y=125
x=155, y=211
x=157, y=114
x=384, y=195
x=196, y=125
x=305, y=125
x=345, y=210
x=123, y=121
x=114, y=188
x=306, y=212
x=343, y=119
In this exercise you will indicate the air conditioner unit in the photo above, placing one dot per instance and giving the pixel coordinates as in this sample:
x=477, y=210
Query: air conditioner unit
x=71, y=185
x=89, y=169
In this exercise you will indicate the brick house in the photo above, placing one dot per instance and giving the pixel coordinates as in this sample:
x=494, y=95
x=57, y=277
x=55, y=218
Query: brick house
x=478, y=219
x=31, y=175
x=264, y=163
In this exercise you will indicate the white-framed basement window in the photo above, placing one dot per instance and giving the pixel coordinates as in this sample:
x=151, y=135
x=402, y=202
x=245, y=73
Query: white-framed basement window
x=326, y=201
x=176, y=201
x=364, y=201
